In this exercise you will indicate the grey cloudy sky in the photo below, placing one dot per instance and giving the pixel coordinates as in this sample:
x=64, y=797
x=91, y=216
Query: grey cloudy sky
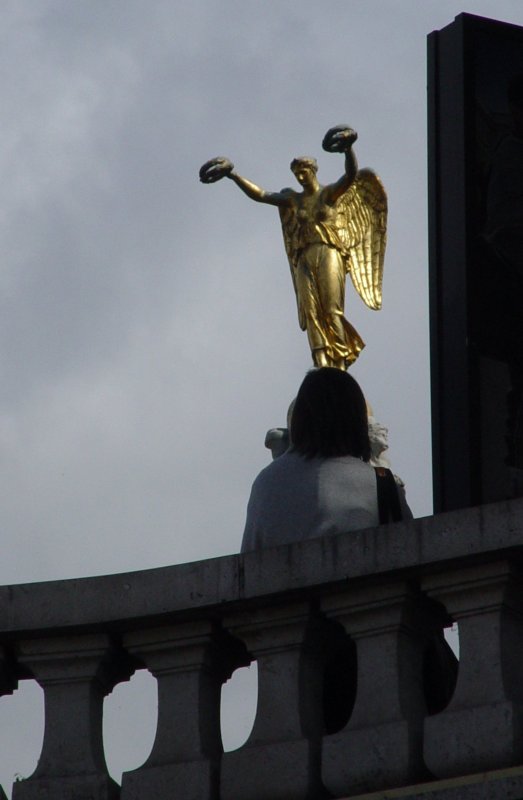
x=148, y=324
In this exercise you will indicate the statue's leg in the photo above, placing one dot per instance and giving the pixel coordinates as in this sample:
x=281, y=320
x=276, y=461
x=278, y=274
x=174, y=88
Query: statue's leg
x=344, y=342
x=320, y=357
x=331, y=290
x=306, y=282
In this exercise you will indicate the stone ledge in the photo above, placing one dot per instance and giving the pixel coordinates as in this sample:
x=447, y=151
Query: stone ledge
x=502, y=784
x=159, y=595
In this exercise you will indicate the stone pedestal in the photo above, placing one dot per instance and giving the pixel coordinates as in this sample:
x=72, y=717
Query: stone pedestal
x=188, y=665
x=280, y=761
x=75, y=672
x=482, y=728
x=7, y=685
x=381, y=746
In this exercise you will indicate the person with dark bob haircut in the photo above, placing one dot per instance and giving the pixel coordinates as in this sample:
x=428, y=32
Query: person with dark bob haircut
x=330, y=416
x=323, y=484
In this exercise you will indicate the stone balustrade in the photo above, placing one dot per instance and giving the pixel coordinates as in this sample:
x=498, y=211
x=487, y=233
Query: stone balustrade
x=345, y=632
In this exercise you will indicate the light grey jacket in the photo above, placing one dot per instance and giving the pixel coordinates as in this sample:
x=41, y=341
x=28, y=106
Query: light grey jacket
x=296, y=498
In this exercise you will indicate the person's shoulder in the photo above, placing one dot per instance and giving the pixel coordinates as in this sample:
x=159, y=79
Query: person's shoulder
x=347, y=468
x=286, y=461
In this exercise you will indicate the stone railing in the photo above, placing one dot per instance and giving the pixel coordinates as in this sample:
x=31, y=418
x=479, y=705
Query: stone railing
x=345, y=633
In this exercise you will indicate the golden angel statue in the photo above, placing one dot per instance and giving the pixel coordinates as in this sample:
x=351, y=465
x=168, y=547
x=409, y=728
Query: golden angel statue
x=328, y=231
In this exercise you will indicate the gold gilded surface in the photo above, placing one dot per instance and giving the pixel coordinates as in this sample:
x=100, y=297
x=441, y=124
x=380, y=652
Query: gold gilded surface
x=328, y=231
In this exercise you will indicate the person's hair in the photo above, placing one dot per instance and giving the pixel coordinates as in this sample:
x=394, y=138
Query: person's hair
x=330, y=416
x=304, y=161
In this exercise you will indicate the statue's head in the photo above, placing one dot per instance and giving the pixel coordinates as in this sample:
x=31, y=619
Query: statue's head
x=304, y=162
x=304, y=168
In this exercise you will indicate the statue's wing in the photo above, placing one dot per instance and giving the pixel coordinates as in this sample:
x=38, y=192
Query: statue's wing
x=288, y=221
x=362, y=228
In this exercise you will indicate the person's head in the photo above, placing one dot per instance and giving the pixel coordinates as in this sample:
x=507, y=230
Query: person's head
x=304, y=169
x=330, y=416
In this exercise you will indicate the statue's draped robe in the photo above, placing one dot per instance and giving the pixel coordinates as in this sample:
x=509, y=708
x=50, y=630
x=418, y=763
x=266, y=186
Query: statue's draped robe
x=317, y=258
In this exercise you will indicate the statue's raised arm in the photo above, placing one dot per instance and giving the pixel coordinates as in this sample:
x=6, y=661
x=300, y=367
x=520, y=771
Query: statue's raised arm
x=340, y=140
x=328, y=231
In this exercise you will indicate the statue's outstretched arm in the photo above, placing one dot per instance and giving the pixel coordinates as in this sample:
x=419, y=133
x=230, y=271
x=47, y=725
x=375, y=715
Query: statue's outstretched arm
x=340, y=140
x=256, y=192
x=218, y=168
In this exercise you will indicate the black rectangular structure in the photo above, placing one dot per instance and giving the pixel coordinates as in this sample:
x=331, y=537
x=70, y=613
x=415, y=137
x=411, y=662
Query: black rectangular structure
x=475, y=125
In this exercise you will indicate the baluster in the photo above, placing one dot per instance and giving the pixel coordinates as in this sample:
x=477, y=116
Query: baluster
x=75, y=672
x=280, y=760
x=190, y=662
x=7, y=685
x=481, y=728
x=381, y=746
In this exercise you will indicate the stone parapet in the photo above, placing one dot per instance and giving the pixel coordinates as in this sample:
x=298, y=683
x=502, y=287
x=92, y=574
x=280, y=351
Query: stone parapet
x=504, y=784
x=342, y=630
